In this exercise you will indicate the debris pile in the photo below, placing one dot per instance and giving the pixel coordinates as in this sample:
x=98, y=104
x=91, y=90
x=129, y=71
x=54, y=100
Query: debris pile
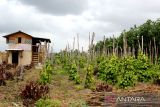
x=97, y=97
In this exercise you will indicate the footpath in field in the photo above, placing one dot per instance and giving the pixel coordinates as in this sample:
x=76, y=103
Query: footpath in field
x=66, y=91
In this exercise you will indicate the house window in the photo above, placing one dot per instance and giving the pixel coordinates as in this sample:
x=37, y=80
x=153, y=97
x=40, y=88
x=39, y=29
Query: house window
x=19, y=39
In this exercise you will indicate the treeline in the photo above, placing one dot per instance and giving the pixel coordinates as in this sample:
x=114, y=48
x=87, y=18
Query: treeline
x=145, y=37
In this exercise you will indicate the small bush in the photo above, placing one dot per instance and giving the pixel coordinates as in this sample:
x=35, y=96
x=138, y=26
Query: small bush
x=32, y=92
x=89, y=81
x=78, y=103
x=73, y=74
x=48, y=103
x=45, y=74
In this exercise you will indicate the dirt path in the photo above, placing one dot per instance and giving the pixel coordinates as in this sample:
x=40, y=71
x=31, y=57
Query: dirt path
x=67, y=91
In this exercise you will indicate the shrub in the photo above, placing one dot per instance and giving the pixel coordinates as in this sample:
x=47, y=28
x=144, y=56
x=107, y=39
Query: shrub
x=44, y=77
x=89, y=81
x=81, y=62
x=48, y=103
x=126, y=71
x=32, y=92
x=142, y=67
x=45, y=74
x=73, y=74
x=127, y=75
x=78, y=103
x=102, y=73
x=112, y=71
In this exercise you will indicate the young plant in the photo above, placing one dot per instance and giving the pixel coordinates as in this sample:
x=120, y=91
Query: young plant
x=89, y=81
x=45, y=74
x=32, y=92
x=48, y=103
x=73, y=74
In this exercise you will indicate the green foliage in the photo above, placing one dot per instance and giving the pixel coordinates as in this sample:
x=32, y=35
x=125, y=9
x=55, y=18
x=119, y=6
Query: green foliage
x=44, y=77
x=127, y=75
x=108, y=70
x=78, y=103
x=48, y=103
x=89, y=81
x=57, y=59
x=82, y=62
x=118, y=71
x=142, y=68
x=102, y=66
x=112, y=70
x=122, y=72
x=45, y=74
x=126, y=80
x=73, y=74
x=149, y=30
x=126, y=71
x=100, y=58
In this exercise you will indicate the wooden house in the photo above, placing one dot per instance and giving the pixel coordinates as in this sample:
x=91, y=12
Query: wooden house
x=24, y=49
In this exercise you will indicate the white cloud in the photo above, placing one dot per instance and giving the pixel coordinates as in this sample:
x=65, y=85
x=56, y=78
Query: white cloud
x=61, y=21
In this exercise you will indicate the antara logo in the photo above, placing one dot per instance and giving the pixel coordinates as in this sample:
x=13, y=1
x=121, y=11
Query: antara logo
x=130, y=99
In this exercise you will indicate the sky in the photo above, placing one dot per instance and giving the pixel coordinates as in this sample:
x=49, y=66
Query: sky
x=62, y=20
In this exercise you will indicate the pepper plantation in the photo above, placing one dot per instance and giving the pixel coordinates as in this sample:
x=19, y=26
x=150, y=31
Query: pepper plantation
x=127, y=64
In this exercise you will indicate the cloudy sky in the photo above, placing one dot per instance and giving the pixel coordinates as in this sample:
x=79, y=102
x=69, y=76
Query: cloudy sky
x=61, y=20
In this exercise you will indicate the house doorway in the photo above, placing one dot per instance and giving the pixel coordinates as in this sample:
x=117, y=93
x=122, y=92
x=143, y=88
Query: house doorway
x=15, y=57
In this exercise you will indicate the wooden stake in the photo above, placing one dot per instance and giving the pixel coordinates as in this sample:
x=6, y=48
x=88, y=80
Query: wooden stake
x=150, y=51
x=73, y=43
x=155, y=49
x=92, y=47
x=124, y=45
x=113, y=45
x=142, y=44
x=104, y=45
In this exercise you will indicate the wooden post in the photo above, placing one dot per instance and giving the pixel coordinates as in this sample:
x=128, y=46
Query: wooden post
x=129, y=51
x=155, y=49
x=142, y=44
x=157, y=55
x=146, y=52
x=139, y=46
x=89, y=42
x=150, y=51
x=89, y=51
x=78, y=52
x=124, y=45
x=113, y=45
x=73, y=43
x=73, y=48
x=133, y=51
x=152, y=54
x=104, y=45
x=92, y=47
x=117, y=50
